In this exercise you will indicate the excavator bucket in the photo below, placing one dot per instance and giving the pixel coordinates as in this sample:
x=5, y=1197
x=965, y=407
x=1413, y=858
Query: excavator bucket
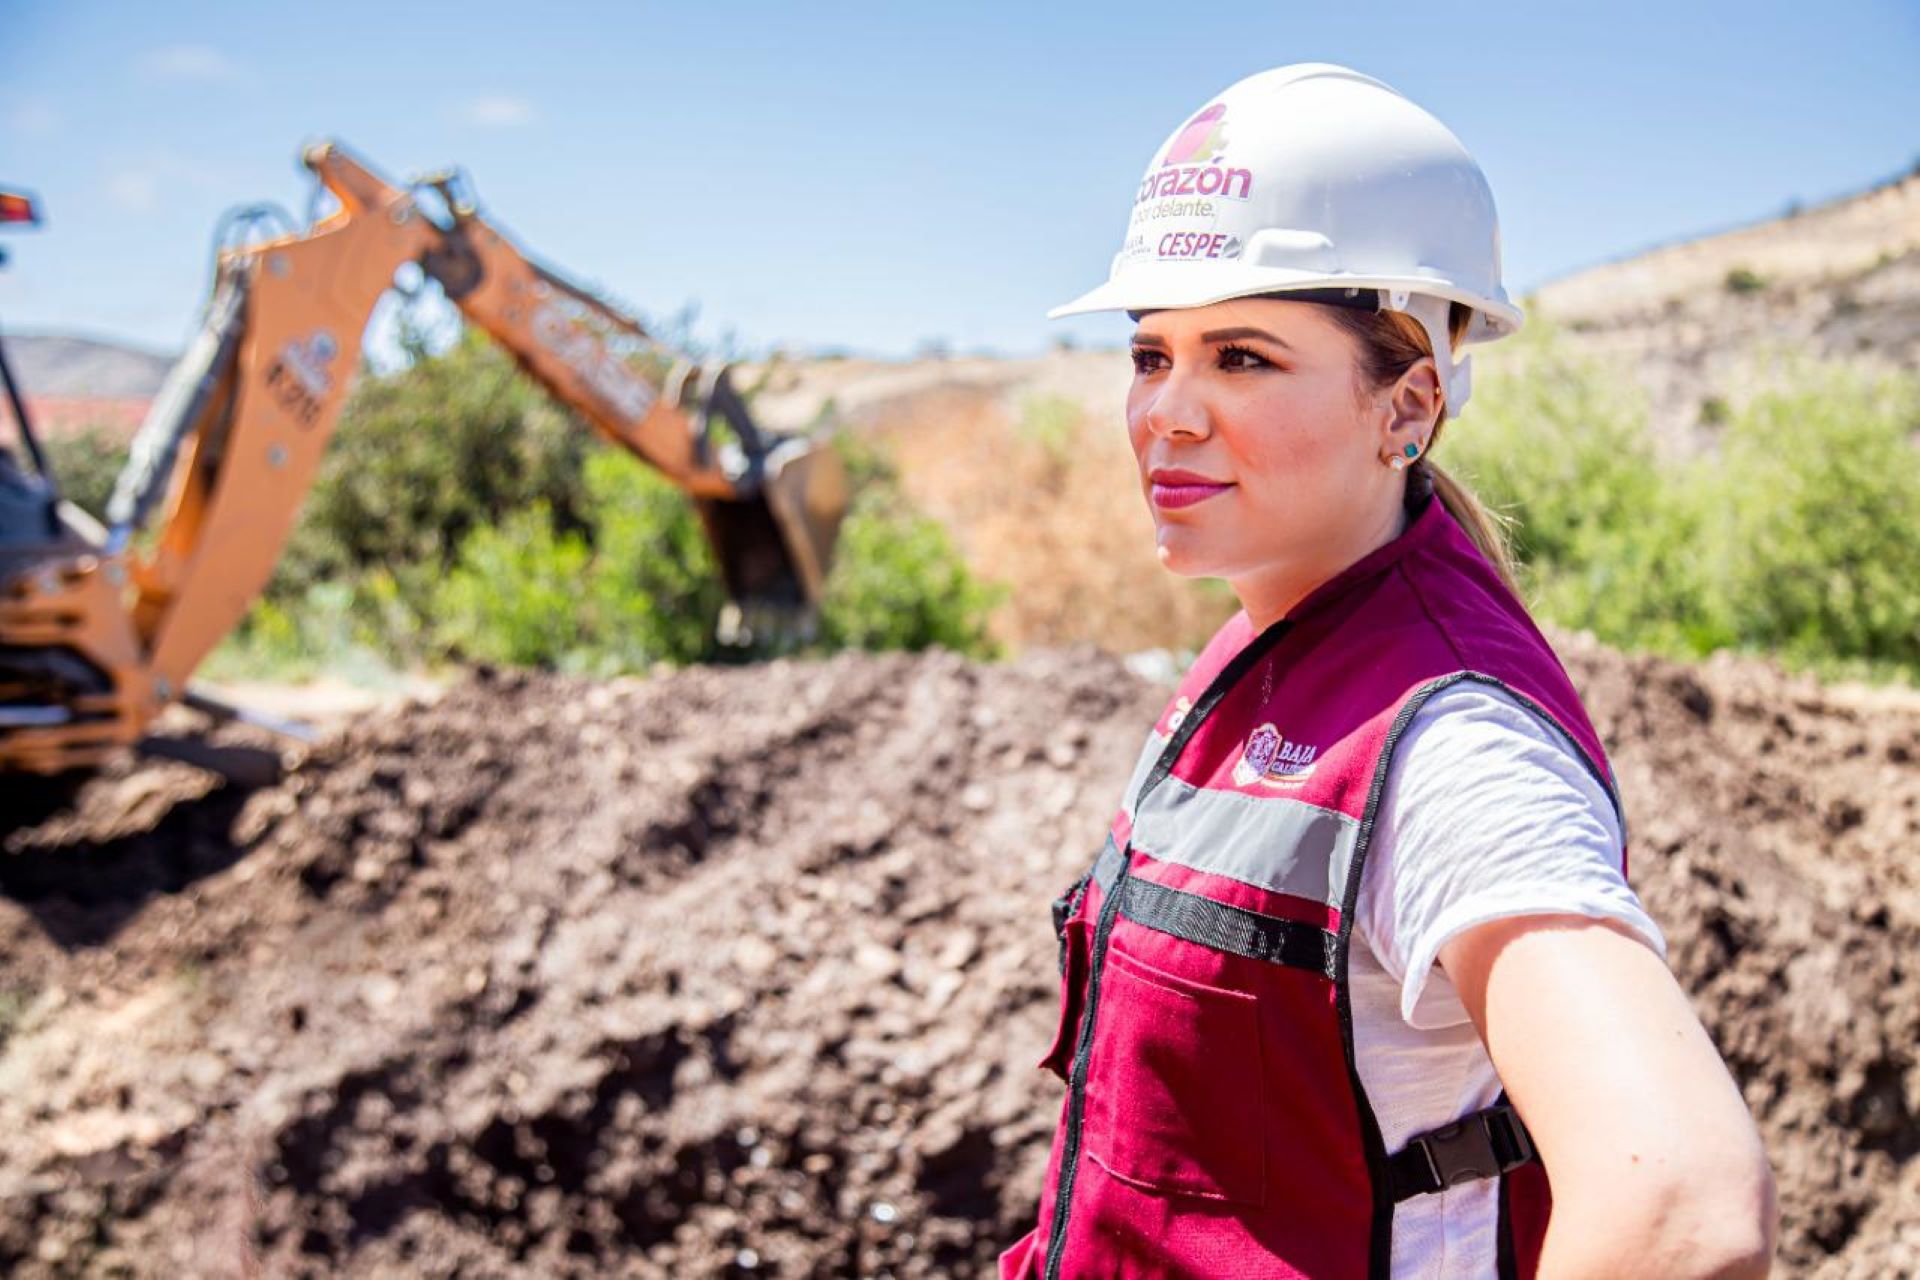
x=773, y=536
x=807, y=494
x=775, y=541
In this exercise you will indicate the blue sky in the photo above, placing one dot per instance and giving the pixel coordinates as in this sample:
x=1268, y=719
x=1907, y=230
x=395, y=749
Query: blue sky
x=875, y=176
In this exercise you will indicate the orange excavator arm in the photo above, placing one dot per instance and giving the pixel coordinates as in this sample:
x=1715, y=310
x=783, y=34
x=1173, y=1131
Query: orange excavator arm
x=770, y=506
x=96, y=636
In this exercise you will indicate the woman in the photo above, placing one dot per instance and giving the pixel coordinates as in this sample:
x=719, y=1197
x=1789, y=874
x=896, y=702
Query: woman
x=1358, y=968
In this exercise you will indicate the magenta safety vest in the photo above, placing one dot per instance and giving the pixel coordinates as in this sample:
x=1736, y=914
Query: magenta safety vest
x=1215, y=1122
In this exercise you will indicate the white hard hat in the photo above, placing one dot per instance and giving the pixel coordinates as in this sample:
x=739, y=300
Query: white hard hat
x=1315, y=177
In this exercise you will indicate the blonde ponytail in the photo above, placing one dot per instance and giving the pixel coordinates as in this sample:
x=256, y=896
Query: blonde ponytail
x=1486, y=530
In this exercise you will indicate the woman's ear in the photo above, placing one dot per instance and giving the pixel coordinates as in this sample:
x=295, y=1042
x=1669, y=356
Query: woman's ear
x=1414, y=405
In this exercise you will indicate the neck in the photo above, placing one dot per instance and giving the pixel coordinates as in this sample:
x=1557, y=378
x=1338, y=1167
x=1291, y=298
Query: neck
x=1270, y=593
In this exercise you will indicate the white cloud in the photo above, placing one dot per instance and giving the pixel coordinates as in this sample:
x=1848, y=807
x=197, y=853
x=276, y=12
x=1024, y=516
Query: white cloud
x=495, y=111
x=192, y=64
x=31, y=119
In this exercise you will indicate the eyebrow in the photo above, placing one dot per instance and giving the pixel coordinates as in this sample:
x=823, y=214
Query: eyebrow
x=1216, y=335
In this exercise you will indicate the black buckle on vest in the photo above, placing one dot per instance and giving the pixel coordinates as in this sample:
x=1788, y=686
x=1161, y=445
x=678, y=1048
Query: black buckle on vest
x=1063, y=908
x=1485, y=1144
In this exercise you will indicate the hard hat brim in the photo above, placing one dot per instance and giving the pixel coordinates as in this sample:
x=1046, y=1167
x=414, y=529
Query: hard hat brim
x=1159, y=286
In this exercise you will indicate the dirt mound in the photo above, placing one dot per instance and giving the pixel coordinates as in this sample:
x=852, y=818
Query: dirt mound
x=745, y=972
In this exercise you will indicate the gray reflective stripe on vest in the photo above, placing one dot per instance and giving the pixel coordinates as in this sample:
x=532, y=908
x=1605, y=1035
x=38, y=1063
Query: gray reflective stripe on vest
x=1275, y=843
x=1156, y=743
x=1107, y=866
x=1217, y=925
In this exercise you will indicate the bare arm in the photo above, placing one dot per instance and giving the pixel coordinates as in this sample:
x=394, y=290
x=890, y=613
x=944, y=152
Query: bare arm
x=1657, y=1167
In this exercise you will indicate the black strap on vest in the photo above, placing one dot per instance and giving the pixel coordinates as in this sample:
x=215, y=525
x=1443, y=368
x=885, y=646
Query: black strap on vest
x=1217, y=925
x=1222, y=927
x=1485, y=1144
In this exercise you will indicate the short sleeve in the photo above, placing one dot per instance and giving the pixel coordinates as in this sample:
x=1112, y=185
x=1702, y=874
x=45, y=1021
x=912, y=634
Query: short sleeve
x=1488, y=812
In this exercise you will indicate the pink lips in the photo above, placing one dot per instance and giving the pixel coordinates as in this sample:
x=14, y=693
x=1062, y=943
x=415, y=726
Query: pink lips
x=1173, y=487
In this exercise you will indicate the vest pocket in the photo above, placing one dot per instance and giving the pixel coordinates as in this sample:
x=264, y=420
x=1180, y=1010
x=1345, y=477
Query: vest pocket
x=1176, y=1089
x=1073, y=993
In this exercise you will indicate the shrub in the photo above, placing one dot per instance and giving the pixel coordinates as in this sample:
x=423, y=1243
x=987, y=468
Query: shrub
x=460, y=512
x=1800, y=538
x=85, y=464
x=420, y=458
x=654, y=589
x=1814, y=540
x=1559, y=445
x=898, y=583
x=868, y=462
x=1744, y=280
x=1604, y=530
x=517, y=593
x=355, y=628
x=640, y=586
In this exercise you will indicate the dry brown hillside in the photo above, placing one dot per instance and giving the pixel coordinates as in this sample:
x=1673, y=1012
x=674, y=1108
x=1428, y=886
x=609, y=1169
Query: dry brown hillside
x=1711, y=317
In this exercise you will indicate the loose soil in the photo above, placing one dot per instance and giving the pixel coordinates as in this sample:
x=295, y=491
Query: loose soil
x=743, y=972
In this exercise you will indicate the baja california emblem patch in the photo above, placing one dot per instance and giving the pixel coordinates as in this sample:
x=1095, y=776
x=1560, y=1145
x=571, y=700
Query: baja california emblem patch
x=1270, y=758
x=1263, y=744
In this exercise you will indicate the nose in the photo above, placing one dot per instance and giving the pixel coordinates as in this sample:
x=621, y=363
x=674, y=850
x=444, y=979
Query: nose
x=1177, y=408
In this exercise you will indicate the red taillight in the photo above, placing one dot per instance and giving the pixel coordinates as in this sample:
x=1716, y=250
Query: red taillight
x=17, y=207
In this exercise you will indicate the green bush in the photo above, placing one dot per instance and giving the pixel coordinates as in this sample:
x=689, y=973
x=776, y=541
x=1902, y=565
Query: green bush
x=899, y=583
x=869, y=464
x=1559, y=446
x=897, y=580
x=1745, y=280
x=517, y=594
x=420, y=458
x=1602, y=529
x=459, y=512
x=641, y=585
x=1814, y=538
x=1800, y=537
x=85, y=464
x=654, y=590
x=358, y=628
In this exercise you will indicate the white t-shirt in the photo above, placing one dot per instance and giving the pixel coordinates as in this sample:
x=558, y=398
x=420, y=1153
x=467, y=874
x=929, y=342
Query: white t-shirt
x=1488, y=812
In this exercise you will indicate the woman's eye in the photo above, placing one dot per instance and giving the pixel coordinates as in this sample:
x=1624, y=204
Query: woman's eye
x=1149, y=360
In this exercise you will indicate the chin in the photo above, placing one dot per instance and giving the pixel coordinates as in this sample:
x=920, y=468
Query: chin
x=1179, y=557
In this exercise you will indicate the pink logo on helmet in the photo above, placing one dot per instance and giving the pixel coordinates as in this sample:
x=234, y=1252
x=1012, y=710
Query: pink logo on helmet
x=1188, y=169
x=1202, y=139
